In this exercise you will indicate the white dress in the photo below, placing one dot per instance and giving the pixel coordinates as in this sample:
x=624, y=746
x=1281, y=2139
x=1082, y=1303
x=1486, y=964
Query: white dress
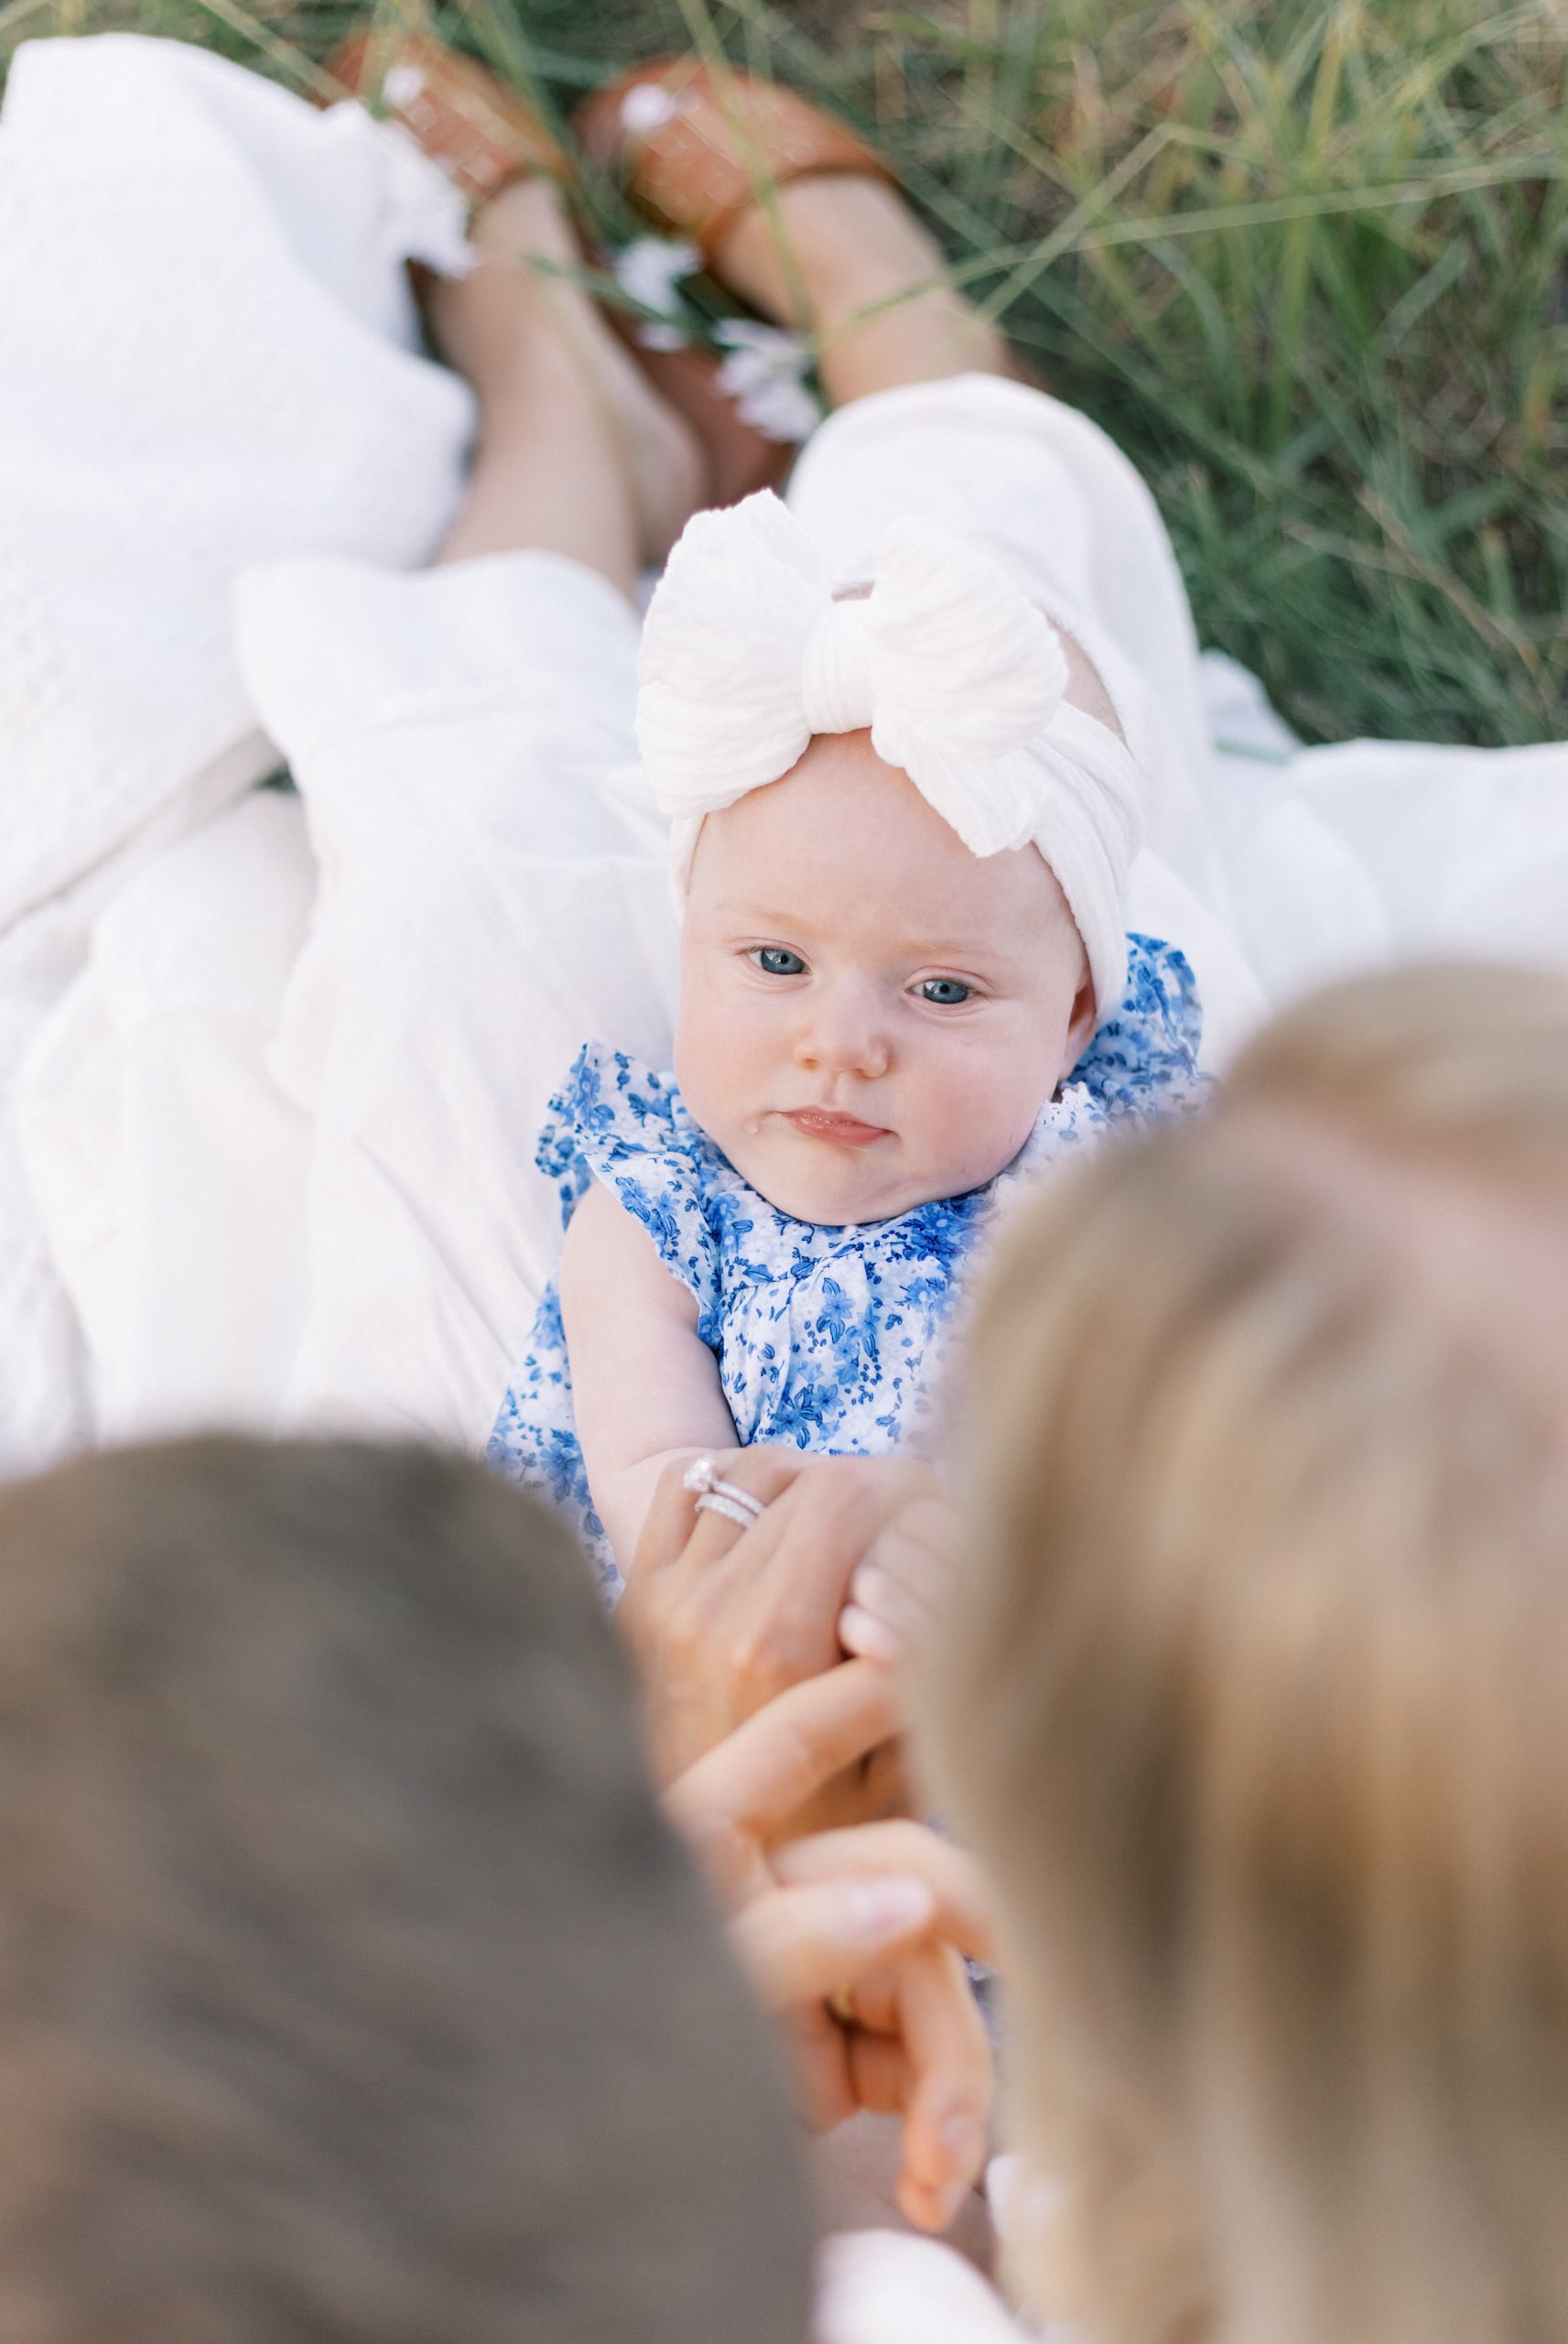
x=273, y=1068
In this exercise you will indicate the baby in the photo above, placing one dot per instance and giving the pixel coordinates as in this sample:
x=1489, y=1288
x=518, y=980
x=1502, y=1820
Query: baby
x=901, y=852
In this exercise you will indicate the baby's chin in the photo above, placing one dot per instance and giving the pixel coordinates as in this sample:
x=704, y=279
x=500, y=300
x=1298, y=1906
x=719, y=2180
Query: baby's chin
x=831, y=1187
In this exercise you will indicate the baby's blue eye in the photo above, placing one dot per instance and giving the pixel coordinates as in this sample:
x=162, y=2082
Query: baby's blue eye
x=945, y=991
x=774, y=961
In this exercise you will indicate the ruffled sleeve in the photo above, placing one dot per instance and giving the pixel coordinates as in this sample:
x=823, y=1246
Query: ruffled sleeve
x=1144, y=1062
x=616, y=1120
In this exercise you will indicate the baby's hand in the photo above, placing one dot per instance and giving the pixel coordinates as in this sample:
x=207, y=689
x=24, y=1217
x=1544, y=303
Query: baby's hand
x=900, y=1581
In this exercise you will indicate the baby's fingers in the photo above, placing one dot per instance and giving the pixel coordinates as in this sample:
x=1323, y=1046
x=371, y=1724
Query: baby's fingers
x=900, y=1581
x=882, y=1620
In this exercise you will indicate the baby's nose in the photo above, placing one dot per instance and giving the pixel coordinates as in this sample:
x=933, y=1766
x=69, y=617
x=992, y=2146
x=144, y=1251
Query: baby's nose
x=844, y=1033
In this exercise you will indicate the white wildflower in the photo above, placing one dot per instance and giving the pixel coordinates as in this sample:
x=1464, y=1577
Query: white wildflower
x=648, y=271
x=764, y=373
x=646, y=107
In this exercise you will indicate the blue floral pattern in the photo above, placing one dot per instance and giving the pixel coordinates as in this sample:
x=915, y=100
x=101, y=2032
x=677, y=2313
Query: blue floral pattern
x=825, y=1338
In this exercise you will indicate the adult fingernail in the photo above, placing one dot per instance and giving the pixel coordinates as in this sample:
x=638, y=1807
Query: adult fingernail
x=891, y=1907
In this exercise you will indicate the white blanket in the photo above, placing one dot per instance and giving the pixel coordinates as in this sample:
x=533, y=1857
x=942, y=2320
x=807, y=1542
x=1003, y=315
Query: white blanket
x=207, y=361
x=284, y=1056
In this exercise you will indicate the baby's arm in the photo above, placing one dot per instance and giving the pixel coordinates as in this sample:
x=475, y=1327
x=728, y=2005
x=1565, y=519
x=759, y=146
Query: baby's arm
x=644, y=1386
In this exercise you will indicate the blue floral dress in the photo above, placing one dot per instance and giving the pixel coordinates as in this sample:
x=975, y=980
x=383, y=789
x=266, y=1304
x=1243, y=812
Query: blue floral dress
x=825, y=1338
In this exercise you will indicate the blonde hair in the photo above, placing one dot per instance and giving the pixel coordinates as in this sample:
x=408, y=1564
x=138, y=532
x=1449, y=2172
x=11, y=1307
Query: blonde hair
x=1254, y=1690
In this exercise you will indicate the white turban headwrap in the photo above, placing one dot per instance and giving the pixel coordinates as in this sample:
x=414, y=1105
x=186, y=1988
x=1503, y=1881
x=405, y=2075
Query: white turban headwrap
x=746, y=654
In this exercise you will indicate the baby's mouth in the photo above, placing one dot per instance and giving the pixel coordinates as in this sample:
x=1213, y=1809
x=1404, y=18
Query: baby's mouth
x=842, y=1130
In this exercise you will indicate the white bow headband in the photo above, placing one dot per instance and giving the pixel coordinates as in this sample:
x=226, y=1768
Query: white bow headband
x=746, y=654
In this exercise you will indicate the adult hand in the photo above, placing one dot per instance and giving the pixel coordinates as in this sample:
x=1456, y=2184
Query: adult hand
x=853, y=1937
x=721, y=1619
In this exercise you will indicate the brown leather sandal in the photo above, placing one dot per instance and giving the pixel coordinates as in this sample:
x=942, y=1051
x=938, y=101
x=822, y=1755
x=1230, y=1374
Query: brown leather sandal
x=484, y=135
x=478, y=131
x=692, y=147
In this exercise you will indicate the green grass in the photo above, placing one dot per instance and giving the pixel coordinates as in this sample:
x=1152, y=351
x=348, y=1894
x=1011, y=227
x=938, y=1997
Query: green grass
x=1307, y=260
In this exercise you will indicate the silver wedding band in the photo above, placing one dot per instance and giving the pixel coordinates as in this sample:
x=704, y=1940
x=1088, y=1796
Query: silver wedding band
x=717, y=1502
x=717, y=1496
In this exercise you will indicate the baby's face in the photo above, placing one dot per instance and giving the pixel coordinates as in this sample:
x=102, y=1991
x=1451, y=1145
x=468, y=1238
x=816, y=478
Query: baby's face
x=871, y=1017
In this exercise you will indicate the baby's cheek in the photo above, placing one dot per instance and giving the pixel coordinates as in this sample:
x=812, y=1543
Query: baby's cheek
x=984, y=1108
x=715, y=1055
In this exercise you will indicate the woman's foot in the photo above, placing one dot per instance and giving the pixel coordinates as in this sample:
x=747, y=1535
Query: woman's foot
x=841, y=256
x=577, y=453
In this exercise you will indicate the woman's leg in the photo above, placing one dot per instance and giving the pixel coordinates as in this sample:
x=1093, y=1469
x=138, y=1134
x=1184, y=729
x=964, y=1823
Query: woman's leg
x=576, y=454
x=844, y=259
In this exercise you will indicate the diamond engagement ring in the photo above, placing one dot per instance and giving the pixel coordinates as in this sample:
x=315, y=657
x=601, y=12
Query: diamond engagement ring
x=716, y=1496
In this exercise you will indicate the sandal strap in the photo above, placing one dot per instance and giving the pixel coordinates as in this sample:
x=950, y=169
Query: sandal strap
x=479, y=133
x=693, y=148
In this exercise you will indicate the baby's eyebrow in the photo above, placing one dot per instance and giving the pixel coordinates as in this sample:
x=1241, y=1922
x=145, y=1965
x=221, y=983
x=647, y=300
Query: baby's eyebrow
x=974, y=952
x=758, y=915
x=950, y=948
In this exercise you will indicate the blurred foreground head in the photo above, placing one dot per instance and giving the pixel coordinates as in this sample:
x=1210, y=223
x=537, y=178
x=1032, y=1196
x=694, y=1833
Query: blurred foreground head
x=351, y=1989
x=1255, y=1693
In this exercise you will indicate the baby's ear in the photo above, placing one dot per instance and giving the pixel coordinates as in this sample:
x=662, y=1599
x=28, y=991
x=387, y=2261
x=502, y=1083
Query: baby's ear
x=1081, y=1029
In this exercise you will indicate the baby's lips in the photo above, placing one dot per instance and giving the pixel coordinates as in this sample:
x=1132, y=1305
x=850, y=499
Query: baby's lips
x=828, y=1124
